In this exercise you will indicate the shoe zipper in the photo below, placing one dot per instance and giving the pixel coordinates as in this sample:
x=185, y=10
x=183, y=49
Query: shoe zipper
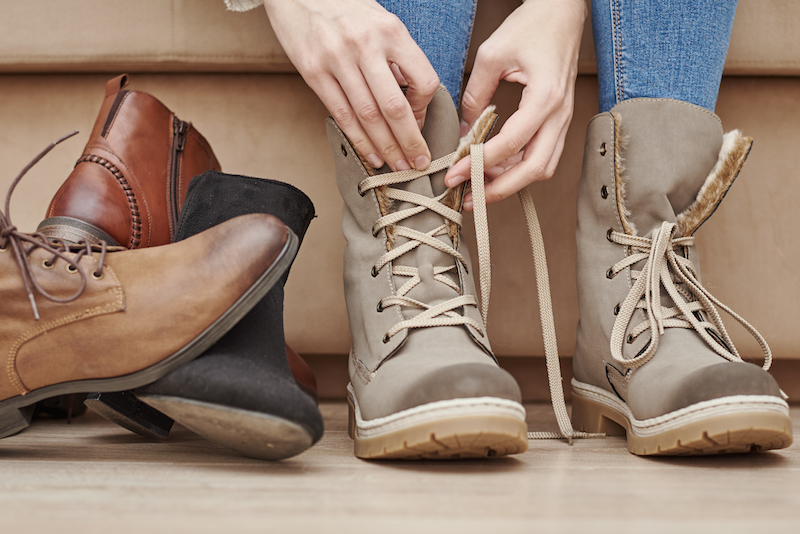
x=178, y=142
x=113, y=111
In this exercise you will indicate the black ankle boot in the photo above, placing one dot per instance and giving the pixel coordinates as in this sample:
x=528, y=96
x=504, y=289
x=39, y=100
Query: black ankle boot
x=241, y=392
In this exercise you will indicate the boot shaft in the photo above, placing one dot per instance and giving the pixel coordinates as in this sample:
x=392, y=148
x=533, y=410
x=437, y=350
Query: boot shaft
x=132, y=177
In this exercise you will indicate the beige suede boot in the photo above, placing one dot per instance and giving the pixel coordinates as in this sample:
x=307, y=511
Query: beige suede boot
x=424, y=382
x=652, y=355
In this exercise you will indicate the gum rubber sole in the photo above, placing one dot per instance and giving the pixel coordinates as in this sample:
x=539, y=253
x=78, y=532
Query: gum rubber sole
x=12, y=410
x=444, y=430
x=737, y=424
x=252, y=434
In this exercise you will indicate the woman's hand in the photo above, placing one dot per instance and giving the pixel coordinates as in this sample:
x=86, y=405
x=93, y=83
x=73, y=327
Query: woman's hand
x=537, y=46
x=355, y=55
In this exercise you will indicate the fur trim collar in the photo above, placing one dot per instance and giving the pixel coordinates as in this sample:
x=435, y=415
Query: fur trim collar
x=732, y=155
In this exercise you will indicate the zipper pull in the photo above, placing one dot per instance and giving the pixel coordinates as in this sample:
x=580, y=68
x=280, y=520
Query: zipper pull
x=181, y=128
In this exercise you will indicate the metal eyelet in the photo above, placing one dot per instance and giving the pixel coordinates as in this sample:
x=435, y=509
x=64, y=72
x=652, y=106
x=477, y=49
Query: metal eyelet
x=610, y=274
x=70, y=269
x=98, y=276
x=616, y=309
x=630, y=338
x=344, y=151
x=604, y=192
x=603, y=149
x=386, y=338
x=374, y=272
x=608, y=234
x=380, y=307
x=46, y=265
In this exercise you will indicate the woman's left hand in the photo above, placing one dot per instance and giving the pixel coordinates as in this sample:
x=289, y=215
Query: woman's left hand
x=537, y=46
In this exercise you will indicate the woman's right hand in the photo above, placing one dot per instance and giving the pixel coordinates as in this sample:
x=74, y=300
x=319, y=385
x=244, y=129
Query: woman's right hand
x=355, y=56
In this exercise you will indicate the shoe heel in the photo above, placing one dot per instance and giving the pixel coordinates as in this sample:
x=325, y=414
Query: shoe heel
x=593, y=417
x=13, y=420
x=351, y=418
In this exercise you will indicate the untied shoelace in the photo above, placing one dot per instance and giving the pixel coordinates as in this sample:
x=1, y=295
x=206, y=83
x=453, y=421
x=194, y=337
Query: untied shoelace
x=445, y=314
x=693, y=303
x=12, y=238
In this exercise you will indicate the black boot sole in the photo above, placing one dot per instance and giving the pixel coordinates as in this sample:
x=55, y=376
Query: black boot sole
x=252, y=434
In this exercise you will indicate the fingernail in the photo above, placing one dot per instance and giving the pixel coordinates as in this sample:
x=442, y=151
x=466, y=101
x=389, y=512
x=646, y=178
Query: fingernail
x=402, y=165
x=468, y=205
x=422, y=162
x=375, y=161
x=419, y=124
x=455, y=180
x=464, y=127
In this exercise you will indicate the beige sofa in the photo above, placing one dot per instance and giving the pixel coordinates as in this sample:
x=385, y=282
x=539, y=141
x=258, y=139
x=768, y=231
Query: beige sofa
x=227, y=74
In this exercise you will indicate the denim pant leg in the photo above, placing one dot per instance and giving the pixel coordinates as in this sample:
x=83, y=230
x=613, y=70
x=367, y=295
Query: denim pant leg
x=442, y=29
x=661, y=49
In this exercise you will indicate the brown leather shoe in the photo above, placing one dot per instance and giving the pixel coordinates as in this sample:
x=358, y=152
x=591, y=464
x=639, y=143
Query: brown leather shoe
x=130, y=182
x=77, y=318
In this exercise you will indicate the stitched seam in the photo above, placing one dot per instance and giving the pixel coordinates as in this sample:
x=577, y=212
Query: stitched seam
x=130, y=195
x=116, y=113
x=689, y=104
x=31, y=334
x=617, y=31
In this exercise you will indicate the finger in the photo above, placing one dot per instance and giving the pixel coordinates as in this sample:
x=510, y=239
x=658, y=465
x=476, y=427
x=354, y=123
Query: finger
x=537, y=164
x=335, y=100
x=369, y=114
x=482, y=84
x=397, y=113
x=419, y=74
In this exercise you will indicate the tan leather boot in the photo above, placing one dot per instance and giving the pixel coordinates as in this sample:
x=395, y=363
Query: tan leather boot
x=131, y=180
x=653, y=359
x=77, y=318
x=424, y=382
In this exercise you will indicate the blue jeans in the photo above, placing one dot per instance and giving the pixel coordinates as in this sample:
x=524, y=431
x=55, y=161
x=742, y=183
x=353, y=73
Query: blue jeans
x=656, y=49
x=442, y=29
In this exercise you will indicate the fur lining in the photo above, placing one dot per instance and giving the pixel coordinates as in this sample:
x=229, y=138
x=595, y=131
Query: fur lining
x=619, y=178
x=732, y=155
x=242, y=5
x=477, y=134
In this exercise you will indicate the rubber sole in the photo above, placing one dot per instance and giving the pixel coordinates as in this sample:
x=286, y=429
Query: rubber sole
x=736, y=424
x=126, y=410
x=252, y=434
x=444, y=430
x=13, y=413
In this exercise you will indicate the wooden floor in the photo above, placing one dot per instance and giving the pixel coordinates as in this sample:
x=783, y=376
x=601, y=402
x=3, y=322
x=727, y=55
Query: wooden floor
x=91, y=476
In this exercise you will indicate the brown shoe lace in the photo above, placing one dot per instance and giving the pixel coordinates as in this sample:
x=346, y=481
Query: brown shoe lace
x=16, y=240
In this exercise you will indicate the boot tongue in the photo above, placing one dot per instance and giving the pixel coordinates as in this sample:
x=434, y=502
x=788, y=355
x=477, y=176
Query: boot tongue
x=668, y=150
x=441, y=131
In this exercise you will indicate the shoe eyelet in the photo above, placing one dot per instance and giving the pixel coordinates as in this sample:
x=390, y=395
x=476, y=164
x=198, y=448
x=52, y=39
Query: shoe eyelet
x=98, y=276
x=603, y=149
x=70, y=269
x=380, y=307
x=386, y=338
x=616, y=309
x=374, y=272
x=630, y=338
x=610, y=274
x=47, y=265
x=604, y=192
x=344, y=151
x=608, y=234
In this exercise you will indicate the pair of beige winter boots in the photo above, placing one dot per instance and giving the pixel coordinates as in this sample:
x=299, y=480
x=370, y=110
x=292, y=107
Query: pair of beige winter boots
x=653, y=358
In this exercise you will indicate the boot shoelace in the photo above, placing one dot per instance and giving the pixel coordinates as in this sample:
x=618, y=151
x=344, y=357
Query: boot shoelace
x=21, y=245
x=445, y=314
x=694, y=306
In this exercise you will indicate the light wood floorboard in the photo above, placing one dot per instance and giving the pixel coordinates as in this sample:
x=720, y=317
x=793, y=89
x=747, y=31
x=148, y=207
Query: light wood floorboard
x=91, y=476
